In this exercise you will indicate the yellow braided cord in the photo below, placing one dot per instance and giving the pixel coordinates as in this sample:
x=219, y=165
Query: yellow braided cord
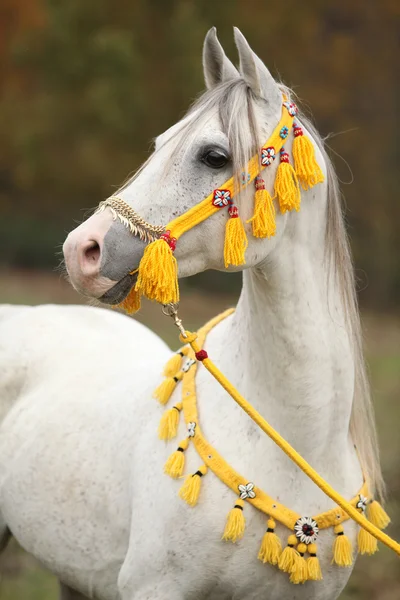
x=208, y=453
x=216, y=463
x=231, y=478
x=204, y=209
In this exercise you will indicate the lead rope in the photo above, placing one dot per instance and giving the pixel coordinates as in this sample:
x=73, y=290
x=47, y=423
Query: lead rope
x=187, y=337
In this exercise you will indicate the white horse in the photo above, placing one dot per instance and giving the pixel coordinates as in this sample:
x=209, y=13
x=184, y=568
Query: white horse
x=82, y=483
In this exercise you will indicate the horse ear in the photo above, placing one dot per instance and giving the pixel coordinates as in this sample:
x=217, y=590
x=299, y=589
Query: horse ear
x=217, y=66
x=255, y=73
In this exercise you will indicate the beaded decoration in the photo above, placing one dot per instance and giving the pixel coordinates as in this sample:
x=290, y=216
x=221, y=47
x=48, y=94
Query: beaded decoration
x=158, y=273
x=137, y=226
x=304, y=530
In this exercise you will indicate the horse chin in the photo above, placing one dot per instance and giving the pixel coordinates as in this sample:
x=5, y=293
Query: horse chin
x=120, y=290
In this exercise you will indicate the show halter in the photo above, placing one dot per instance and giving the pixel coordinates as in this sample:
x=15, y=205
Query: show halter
x=158, y=280
x=158, y=269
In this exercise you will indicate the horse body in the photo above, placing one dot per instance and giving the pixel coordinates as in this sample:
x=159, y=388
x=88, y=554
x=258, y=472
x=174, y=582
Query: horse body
x=71, y=427
x=99, y=507
x=82, y=486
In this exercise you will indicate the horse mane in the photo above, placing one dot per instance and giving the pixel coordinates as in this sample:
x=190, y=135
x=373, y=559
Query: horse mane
x=234, y=102
x=340, y=264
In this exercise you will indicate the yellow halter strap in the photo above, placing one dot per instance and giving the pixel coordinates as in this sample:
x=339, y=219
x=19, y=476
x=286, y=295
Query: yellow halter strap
x=215, y=201
x=158, y=269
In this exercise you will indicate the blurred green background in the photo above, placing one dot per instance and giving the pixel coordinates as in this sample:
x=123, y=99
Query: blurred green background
x=85, y=86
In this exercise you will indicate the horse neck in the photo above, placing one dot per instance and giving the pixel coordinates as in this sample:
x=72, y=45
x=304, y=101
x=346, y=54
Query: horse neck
x=296, y=361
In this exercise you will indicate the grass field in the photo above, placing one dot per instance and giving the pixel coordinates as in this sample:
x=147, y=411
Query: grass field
x=376, y=578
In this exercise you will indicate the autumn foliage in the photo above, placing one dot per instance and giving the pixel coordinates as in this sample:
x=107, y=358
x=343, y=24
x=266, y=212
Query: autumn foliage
x=85, y=86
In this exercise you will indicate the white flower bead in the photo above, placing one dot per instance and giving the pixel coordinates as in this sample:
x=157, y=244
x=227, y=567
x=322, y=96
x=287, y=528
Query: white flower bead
x=306, y=530
x=191, y=429
x=247, y=491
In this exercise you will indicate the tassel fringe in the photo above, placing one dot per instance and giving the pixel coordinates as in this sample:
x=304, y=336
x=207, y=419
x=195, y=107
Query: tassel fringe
x=307, y=169
x=287, y=558
x=235, y=240
x=168, y=427
x=235, y=523
x=287, y=186
x=377, y=515
x=190, y=490
x=299, y=573
x=165, y=390
x=263, y=220
x=176, y=462
x=131, y=304
x=314, y=572
x=158, y=273
x=367, y=544
x=174, y=364
x=271, y=548
x=342, y=550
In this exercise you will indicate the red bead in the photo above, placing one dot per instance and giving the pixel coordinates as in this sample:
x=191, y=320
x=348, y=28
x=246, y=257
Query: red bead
x=284, y=157
x=171, y=241
x=297, y=131
x=260, y=183
x=233, y=212
x=201, y=355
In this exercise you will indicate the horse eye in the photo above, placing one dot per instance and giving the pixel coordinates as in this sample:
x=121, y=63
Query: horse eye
x=215, y=159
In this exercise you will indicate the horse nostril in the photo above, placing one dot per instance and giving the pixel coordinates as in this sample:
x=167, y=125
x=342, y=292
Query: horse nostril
x=92, y=252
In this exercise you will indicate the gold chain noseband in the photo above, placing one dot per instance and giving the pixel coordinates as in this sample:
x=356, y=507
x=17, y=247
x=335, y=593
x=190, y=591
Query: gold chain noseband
x=129, y=217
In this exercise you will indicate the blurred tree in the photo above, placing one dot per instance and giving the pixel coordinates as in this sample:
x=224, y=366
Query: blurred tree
x=85, y=85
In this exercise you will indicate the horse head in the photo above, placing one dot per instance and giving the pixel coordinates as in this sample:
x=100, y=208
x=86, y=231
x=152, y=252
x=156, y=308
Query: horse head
x=215, y=140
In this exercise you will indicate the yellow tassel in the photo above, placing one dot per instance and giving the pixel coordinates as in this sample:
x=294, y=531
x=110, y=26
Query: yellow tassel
x=313, y=567
x=288, y=556
x=342, y=550
x=307, y=169
x=271, y=547
x=286, y=185
x=131, y=304
x=235, y=240
x=164, y=391
x=190, y=490
x=298, y=573
x=235, y=523
x=176, y=462
x=158, y=272
x=367, y=544
x=168, y=427
x=377, y=515
x=263, y=219
x=174, y=364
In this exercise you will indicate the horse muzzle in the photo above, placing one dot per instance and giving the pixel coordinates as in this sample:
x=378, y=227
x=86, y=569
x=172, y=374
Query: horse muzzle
x=100, y=256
